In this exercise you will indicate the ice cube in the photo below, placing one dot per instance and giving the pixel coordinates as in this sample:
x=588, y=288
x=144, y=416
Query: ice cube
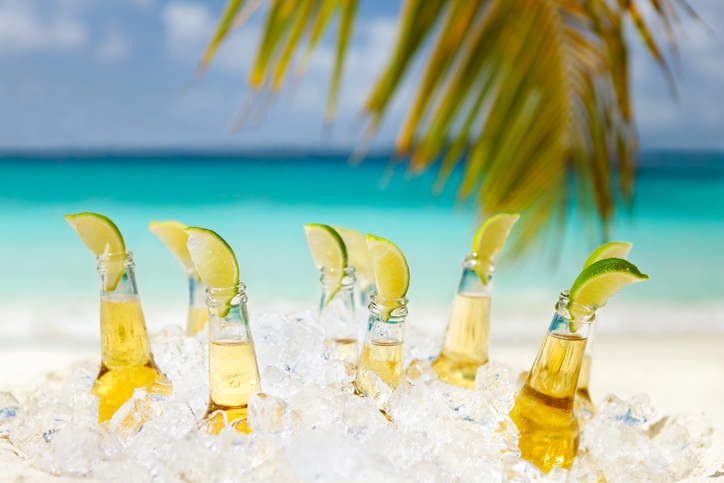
x=130, y=417
x=556, y=475
x=329, y=456
x=634, y=411
x=121, y=468
x=278, y=383
x=362, y=417
x=86, y=407
x=420, y=370
x=73, y=451
x=586, y=469
x=427, y=472
x=515, y=468
x=317, y=407
x=309, y=368
x=493, y=379
x=9, y=407
x=84, y=375
x=268, y=414
x=410, y=403
x=377, y=389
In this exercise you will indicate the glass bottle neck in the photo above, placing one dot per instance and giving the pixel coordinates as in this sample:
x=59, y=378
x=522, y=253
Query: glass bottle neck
x=124, y=340
x=337, y=309
x=387, y=319
x=116, y=273
x=197, y=292
x=468, y=329
x=557, y=367
x=476, y=278
x=228, y=315
x=233, y=369
x=332, y=287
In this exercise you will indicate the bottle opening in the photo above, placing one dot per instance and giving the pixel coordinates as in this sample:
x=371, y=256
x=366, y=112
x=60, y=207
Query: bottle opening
x=380, y=305
x=573, y=315
x=228, y=296
x=472, y=261
x=330, y=274
x=113, y=260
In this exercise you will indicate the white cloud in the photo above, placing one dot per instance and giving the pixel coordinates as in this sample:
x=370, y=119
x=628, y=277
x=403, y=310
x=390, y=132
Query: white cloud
x=187, y=24
x=188, y=28
x=24, y=28
x=113, y=47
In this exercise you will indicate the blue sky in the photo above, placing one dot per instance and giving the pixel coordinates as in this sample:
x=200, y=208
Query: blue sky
x=96, y=74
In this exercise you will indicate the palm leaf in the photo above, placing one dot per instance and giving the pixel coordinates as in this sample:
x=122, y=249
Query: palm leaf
x=547, y=82
x=286, y=25
x=532, y=97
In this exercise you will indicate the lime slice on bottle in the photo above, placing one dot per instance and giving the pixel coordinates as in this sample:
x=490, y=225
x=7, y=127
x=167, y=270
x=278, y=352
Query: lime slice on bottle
x=612, y=249
x=392, y=274
x=172, y=234
x=602, y=280
x=215, y=262
x=490, y=240
x=358, y=253
x=328, y=252
x=101, y=236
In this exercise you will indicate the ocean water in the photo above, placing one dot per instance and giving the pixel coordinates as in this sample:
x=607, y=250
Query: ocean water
x=48, y=284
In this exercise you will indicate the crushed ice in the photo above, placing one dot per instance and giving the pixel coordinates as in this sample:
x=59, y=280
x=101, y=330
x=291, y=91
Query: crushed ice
x=308, y=425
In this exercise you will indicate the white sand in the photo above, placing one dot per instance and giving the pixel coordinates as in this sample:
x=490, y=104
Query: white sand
x=682, y=374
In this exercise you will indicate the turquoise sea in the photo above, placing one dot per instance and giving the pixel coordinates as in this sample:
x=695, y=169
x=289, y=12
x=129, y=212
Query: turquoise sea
x=48, y=284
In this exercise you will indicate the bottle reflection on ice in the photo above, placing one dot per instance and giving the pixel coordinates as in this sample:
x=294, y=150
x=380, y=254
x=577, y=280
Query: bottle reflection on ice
x=466, y=340
x=127, y=362
x=543, y=411
x=233, y=370
x=383, y=349
x=337, y=315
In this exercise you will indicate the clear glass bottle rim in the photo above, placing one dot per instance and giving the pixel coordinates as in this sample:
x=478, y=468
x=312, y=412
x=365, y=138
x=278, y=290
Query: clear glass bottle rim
x=472, y=261
x=587, y=311
x=380, y=300
x=106, y=257
x=239, y=289
x=348, y=270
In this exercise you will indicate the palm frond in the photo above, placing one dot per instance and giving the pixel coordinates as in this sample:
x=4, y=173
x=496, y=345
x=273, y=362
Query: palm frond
x=532, y=97
x=287, y=24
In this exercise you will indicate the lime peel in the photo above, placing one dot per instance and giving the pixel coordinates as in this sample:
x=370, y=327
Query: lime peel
x=392, y=273
x=490, y=240
x=602, y=280
x=328, y=252
x=358, y=254
x=102, y=237
x=614, y=249
x=172, y=234
x=215, y=262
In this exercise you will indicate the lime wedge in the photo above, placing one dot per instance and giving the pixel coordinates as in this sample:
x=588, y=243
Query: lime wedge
x=214, y=261
x=489, y=241
x=213, y=258
x=328, y=251
x=609, y=250
x=358, y=253
x=602, y=280
x=172, y=234
x=392, y=274
x=101, y=236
